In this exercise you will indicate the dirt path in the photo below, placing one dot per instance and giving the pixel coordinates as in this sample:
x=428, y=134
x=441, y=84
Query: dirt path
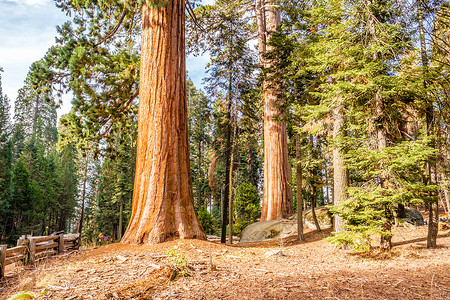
x=281, y=269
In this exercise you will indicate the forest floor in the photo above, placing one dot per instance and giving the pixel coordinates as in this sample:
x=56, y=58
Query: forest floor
x=277, y=269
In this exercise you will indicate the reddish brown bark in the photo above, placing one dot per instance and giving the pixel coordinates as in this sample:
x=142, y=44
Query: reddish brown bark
x=163, y=202
x=277, y=201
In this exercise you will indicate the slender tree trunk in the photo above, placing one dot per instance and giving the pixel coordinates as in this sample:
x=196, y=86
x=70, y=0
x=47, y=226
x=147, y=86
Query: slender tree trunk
x=212, y=181
x=62, y=219
x=277, y=201
x=447, y=200
x=300, y=235
x=119, y=229
x=446, y=192
x=230, y=183
x=433, y=205
x=228, y=162
x=200, y=176
x=340, y=178
x=327, y=185
x=83, y=197
x=261, y=30
x=313, y=210
x=230, y=199
x=44, y=219
x=163, y=202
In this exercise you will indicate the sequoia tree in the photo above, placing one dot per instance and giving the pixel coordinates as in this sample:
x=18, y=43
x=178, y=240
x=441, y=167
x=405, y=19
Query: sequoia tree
x=277, y=200
x=163, y=204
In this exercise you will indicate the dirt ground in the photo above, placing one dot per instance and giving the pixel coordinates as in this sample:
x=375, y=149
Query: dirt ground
x=279, y=269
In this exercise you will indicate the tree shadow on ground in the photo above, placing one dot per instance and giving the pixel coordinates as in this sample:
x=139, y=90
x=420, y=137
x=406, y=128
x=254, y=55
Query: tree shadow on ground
x=419, y=240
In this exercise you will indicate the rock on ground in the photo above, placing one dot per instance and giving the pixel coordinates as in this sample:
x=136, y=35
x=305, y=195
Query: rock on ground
x=323, y=217
x=413, y=216
x=273, y=229
x=267, y=230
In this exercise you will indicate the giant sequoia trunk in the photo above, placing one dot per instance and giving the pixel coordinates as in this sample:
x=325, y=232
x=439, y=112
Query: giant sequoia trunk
x=277, y=200
x=163, y=202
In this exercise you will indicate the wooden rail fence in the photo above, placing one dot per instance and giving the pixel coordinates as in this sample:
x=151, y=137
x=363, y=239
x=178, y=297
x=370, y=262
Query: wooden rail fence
x=31, y=249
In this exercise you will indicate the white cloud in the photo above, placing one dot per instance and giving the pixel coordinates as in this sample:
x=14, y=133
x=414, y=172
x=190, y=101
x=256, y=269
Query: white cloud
x=27, y=31
x=36, y=2
x=29, y=2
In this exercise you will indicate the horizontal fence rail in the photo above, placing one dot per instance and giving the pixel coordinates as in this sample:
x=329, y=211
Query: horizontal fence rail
x=31, y=249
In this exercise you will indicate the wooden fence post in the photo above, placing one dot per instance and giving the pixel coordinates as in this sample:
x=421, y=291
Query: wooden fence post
x=61, y=243
x=2, y=260
x=32, y=250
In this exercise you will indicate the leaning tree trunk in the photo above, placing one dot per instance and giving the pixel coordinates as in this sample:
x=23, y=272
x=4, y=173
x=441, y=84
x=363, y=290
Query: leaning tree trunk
x=277, y=200
x=163, y=202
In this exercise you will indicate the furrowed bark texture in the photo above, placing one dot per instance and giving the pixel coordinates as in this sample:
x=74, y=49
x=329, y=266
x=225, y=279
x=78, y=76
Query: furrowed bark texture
x=163, y=202
x=277, y=201
x=340, y=178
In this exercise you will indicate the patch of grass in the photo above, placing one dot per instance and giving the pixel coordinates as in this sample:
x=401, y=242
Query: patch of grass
x=22, y=295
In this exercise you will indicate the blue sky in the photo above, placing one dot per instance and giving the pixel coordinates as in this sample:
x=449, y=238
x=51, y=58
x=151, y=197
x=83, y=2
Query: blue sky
x=28, y=29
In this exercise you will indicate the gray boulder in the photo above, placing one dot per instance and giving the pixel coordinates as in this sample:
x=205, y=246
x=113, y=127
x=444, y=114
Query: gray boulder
x=323, y=217
x=413, y=216
x=268, y=230
x=273, y=229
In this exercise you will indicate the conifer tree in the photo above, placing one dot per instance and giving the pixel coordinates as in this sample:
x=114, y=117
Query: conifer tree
x=277, y=200
x=6, y=161
x=440, y=68
x=231, y=69
x=35, y=109
x=200, y=141
x=200, y=149
x=168, y=183
x=115, y=186
x=68, y=190
x=424, y=9
x=352, y=56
